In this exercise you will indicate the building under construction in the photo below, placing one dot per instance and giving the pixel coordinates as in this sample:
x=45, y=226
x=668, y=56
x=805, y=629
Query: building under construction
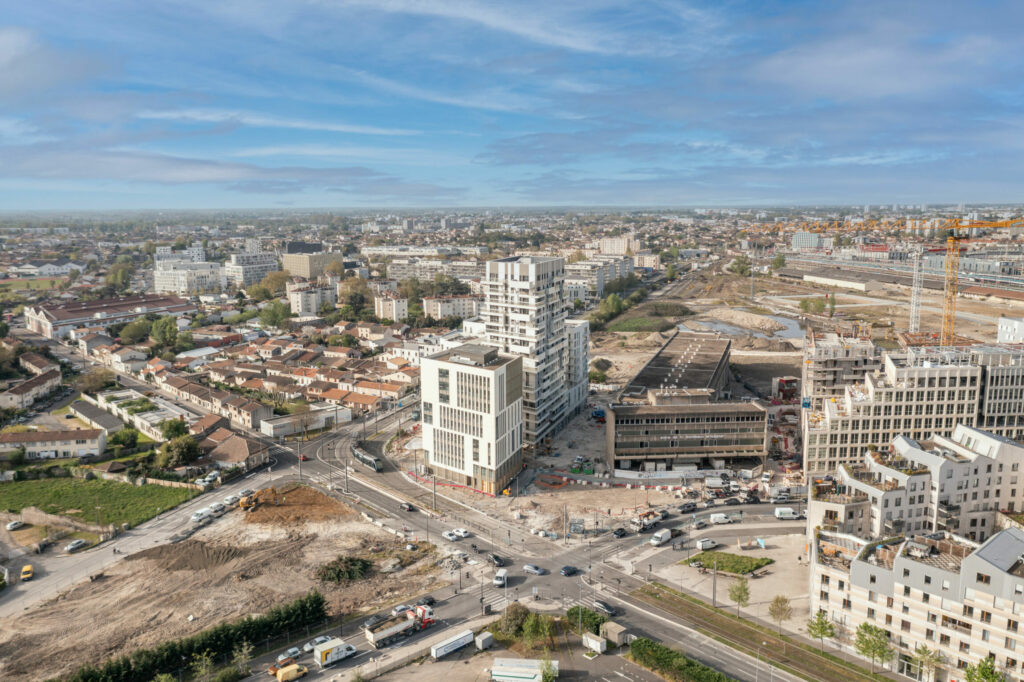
x=676, y=415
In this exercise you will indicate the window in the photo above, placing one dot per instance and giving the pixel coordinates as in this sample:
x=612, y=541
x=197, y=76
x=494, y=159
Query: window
x=984, y=579
x=1011, y=625
x=871, y=579
x=871, y=614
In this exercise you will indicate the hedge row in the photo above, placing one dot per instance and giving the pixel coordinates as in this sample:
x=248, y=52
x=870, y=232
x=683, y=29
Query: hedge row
x=145, y=664
x=671, y=664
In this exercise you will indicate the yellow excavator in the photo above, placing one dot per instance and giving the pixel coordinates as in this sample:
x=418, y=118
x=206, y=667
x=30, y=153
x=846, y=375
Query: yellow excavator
x=265, y=496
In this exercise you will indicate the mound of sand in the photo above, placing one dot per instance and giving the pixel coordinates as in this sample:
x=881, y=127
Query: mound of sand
x=742, y=318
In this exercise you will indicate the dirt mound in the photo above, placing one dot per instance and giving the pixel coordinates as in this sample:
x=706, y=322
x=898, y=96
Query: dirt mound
x=191, y=555
x=742, y=318
x=758, y=343
x=298, y=505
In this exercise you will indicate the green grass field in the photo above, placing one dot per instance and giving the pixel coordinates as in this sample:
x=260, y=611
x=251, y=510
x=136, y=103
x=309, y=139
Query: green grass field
x=41, y=283
x=731, y=563
x=640, y=324
x=77, y=498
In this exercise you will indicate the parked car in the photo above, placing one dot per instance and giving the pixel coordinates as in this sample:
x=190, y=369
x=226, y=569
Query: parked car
x=687, y=508
x=732, y=501
x=663, y=513
x=75, y=545
x=619, y=532
x=700, y=523
x=461, y=532
x=449, y=536
x=426, y=601
x=405, y=506
x=569, y=570
x=533, y=570
x=293, y=653
x=231, y=500
x=281, y=663
x=27, y=572
x=313, y=642
x=15, y=525
x=246, y=493
x=401, y=608
x=604, y=607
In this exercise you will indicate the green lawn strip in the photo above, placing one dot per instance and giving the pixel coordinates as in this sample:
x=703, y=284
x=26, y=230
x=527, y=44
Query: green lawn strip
x=730, y=563
x=144, y=439
x=801, y=659
x=78, y=498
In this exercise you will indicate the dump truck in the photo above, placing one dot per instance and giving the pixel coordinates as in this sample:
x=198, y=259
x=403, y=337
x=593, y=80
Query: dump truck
x=332, y=651
x=645, y=521
x=403, y=625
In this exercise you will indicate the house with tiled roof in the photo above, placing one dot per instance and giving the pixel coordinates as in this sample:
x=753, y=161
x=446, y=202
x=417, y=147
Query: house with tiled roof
x=56, y=444
x=21, y=396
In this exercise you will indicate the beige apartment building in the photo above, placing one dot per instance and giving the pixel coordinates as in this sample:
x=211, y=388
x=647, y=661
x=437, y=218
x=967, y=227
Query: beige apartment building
x=308, y=265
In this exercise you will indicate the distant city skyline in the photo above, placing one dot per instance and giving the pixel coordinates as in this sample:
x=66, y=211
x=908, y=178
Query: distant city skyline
x=418, y=104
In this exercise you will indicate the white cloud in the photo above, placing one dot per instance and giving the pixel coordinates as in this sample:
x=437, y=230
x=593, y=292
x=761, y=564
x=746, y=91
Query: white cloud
x=492, y=100
x=268, y=121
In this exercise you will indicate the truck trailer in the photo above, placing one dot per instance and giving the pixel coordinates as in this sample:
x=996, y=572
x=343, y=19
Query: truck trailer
x=403, y=625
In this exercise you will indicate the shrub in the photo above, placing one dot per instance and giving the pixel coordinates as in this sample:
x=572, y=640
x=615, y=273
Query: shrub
x=344, y=569
x=596, y=377
x=732, y=563
x=671, y=664
x=591, y=619
x=513, y=618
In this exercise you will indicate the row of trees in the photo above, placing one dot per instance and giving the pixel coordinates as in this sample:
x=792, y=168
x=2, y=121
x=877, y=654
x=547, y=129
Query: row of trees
x=223, y=640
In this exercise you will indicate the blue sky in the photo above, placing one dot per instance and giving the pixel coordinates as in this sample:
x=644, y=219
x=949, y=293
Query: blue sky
x=406, y=103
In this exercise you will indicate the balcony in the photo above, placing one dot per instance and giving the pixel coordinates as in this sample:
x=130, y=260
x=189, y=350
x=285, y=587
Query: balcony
x=947, y=509
x=894, y=526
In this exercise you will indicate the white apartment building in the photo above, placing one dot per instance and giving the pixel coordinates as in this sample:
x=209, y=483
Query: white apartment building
x=185, y=278
x=598, y=270
x=921, y=393
x=472, y=416
x=618, y=246
x=525, y=315
x=929, y=582
x=647, y=260
x=194, y=253
x=451, y=306
x=576, y=290
x=246, y=269
x=578, y=366
x=1010, y=330
x=389, y=305
x=832, y=362
x=308, y=301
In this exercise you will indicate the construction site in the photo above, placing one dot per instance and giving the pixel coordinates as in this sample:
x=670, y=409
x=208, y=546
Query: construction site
x=243, y=563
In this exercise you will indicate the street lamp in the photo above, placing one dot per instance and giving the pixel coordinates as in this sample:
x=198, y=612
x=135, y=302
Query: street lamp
x=757, y=666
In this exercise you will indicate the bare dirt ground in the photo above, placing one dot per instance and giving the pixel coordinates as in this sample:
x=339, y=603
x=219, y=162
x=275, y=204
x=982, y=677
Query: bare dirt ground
x=760, y=368
x=241, y=564
x=627, y=351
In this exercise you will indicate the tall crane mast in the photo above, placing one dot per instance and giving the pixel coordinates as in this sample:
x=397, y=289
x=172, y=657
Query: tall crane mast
x=915, y=294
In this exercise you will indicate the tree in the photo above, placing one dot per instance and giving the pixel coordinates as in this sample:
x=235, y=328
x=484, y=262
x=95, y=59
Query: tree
x=241, y=656
x=872, y=642
x=348, y=341
x=180, y=451
x=96, y=380
x=533, y=629
x=136, y=331
x=547, y=670
x=928, y=660
x=513, y=618
x=126, y=437
x=780, y=610
x=832, y=305
x=260, y=293
x=202, y=665
x=274, y=314
x=670, y=272
x=120, y=275
x=778, y=262
x=578, y=304
x=336, y=267
x=820, y=628
x=740, y=266
x=5, y=329
x=739, y=592
x=327, y=307
x=818, y=306
x=275, y=281
x=165, y=331
x=674, y=252
x=172, y=428
x=984, y=671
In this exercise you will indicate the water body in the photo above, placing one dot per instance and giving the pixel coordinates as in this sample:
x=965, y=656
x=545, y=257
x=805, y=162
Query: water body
x=792, y=330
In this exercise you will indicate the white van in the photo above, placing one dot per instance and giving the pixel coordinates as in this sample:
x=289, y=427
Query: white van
x=720, y=518
x=661, y=537
x=705, y=544
x=734, y=486
x=501, y=577
x=786, y=514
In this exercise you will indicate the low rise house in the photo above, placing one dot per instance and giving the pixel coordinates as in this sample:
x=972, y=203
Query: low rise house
x=55, y=444
x=22, y=395
x=36, y=363
x=239, y=451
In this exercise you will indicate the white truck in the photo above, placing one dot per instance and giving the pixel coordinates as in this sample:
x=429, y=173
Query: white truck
x=404, y=624
x=786, y=514
x=714, y=483
x=332, y=651
x=719, y=518
x=645, y=521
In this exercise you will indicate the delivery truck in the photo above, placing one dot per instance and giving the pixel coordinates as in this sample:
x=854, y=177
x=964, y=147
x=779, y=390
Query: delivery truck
x=720, y=518
x=661, y=537
x=332, y=651
x=786, y=514
x=404, y=624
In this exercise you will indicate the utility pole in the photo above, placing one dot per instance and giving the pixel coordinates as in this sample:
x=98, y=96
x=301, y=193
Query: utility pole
x=579, y=610
x=433, y=480
x=346, y=471
x=714, y=586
